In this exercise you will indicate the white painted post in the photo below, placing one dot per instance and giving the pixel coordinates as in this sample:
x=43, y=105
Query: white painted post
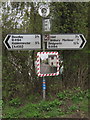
x=44, y=12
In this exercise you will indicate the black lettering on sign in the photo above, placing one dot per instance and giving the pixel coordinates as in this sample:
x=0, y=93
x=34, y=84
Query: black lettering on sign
x=74, y=43
x=52, y=36
x=37, y=42
x=17, y=46
x=76, y=36
x=36, y=36
x=17, y=36
x=16, y=39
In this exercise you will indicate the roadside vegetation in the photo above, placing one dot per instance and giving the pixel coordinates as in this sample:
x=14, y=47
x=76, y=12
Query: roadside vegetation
x=68, y=103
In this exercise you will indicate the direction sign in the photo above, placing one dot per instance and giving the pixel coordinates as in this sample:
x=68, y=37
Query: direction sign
x=66, y=41
x=23, y=41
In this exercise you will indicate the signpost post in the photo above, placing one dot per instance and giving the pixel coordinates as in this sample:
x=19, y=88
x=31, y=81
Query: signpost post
x=44, y=12
x=44, y=88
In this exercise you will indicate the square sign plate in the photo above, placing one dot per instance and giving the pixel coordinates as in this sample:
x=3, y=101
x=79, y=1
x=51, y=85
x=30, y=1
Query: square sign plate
x=47, y=64
x=46, y=25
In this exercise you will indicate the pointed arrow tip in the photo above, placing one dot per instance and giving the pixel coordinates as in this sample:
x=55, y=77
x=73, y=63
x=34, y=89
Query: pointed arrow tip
x=83, y=41
x=6, y=41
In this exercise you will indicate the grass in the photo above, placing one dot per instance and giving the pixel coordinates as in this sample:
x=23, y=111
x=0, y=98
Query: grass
x=67, y=102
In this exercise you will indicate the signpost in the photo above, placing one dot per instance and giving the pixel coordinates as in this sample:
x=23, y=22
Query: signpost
x=65, y=41
x=48, y=66
x=23, y=41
